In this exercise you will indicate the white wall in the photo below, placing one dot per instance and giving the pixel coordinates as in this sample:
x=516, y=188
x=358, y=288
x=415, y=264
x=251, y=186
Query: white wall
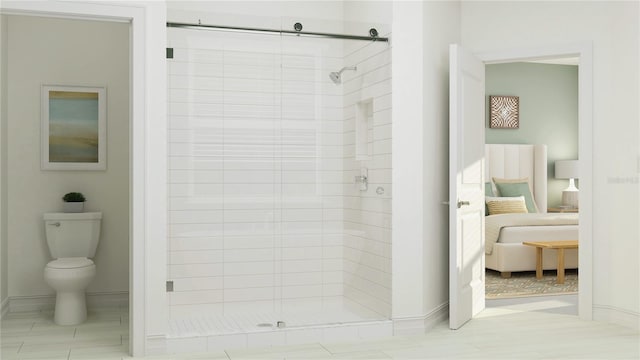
x=407, y=159
x=326, y=10
x=368, y=12
x=441, y=28
x=69, y=52
x=4, y=264
x=367, y=214
x=421, y=37
x=613, y=29
x=368, y=241
x=321, y=16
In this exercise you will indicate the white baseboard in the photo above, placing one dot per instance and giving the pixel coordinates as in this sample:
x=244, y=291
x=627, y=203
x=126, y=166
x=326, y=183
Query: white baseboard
x=4, y=308
x=420, y=324
x=107, y=299
x=615, y=315
x=47, y=302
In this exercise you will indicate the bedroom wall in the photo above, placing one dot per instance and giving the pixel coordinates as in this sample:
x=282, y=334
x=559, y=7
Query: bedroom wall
x=612, y=27
x=70, y=52
x=548, y=112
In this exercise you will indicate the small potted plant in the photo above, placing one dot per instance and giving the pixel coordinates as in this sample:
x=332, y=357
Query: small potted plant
x=73, y=202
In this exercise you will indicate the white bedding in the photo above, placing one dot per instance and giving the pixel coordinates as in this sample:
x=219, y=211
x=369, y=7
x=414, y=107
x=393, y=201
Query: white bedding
x=520, y=234
x=495, y=223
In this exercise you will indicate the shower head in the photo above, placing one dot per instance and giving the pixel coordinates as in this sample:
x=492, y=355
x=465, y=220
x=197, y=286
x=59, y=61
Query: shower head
x=336, y=76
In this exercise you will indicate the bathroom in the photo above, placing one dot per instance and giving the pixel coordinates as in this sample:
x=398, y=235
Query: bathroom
x=422, y=33
x=317, y=231
x=40, y=51
x=418, y=288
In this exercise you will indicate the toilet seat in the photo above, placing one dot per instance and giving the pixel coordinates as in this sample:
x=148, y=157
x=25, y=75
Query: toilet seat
x=70, y=263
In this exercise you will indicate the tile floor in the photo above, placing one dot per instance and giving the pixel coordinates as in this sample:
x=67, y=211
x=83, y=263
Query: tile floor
x=538, y=329
x=34, y=335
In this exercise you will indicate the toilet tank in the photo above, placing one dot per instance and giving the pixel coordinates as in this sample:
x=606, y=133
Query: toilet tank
x=72, y=234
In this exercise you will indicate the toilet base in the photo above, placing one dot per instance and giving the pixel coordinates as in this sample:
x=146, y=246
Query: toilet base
x=71, y=308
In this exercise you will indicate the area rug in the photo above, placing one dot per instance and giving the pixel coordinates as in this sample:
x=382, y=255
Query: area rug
x=525, y=284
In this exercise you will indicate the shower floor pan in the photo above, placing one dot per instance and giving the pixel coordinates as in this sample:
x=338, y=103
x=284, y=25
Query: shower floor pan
x=335, y=320
x=299, y=315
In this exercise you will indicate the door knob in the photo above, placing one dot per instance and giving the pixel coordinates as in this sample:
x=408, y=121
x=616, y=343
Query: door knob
x=462, y=203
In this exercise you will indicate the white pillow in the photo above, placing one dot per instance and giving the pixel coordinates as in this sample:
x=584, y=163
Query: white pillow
x=506, y=205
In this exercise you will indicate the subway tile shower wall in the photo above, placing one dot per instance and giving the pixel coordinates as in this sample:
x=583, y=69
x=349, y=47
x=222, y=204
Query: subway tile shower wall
x=262, y=202
x=367, y=213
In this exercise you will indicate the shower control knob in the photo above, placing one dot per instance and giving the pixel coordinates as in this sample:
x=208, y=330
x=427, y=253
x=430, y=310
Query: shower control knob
x=297, y=26
x=380, y=190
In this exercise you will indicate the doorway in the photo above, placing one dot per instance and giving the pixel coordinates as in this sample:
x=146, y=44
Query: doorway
x=148, y=173
x=465, y=294
x=547, y=96
x=77, y=57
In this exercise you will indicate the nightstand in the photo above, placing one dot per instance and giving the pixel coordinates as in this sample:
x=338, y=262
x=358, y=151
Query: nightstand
x=562, y=210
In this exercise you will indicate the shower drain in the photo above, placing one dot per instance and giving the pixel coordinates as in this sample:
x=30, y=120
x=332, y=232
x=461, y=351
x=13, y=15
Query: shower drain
x=279, y=324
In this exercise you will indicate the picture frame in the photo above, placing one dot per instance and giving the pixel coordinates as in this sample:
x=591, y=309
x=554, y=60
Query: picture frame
x=73, y=128
x=505, y=112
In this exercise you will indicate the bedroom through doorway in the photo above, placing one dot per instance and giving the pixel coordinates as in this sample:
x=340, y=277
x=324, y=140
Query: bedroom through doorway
x=545, y=95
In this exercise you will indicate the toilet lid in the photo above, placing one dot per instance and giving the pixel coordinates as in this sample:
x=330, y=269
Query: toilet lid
x=70, y=263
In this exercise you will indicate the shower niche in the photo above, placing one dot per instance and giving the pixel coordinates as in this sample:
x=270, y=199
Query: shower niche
x=364, y=130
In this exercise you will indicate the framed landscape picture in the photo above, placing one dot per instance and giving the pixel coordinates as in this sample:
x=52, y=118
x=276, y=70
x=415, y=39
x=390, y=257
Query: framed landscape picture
x=74, y=128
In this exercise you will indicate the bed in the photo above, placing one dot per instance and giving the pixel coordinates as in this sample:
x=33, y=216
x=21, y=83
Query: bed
x=507, y=254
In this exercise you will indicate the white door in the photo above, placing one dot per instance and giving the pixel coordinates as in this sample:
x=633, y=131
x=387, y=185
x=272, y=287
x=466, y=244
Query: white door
x=466, y=186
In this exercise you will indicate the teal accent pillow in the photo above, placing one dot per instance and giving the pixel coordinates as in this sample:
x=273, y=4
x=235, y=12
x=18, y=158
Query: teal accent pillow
x=488, y=191
x=518, y=189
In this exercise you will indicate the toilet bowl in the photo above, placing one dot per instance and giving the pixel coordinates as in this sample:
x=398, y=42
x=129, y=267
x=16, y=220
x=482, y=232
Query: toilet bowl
x=69, y=277
x=72, y=239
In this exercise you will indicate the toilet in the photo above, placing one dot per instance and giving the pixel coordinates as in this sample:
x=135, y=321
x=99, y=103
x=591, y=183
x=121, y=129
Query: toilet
x=72, y=239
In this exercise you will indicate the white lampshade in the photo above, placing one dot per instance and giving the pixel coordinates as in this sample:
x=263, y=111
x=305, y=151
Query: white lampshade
x=567, y=169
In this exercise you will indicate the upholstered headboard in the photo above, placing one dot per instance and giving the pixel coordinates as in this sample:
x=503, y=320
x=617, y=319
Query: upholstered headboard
x=514, y=161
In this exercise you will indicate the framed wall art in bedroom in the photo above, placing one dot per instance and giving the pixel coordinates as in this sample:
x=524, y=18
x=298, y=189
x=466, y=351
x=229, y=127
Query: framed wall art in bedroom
x=505, y=112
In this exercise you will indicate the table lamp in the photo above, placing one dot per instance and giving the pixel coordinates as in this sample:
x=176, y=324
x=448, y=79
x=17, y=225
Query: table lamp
x=568, y=169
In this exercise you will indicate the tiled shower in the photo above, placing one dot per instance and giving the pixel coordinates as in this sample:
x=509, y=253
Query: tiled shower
x=272, y=223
